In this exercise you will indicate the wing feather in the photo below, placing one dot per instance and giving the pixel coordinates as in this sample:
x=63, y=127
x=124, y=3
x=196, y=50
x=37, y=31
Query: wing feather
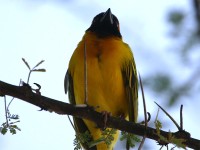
x=129, y=74
x=79, y=124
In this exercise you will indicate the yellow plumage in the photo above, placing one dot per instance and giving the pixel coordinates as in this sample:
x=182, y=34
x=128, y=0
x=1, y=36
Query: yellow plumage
x=111, y=80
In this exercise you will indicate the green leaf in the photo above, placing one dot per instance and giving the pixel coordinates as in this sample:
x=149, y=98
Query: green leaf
x=77, y=144
x=26, y=63
x=96, y=142
x=179, y=142
x=123, y=136
x=12, y=130
x=82, y=138
x=39, y=63
x=131, y=138
x=15, y=127
x=39, y=70
x=3, y=130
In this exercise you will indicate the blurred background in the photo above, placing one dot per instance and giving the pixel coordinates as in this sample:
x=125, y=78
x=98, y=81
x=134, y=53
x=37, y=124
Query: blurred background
x=164, y=37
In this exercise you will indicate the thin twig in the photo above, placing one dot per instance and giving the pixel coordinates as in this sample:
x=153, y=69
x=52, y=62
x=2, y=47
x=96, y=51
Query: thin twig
x=172, y=119
x=145, y=112
x=71, y=122
x=6, y=111
x=144, y=104
x=14, y=122
x=10, y=103
x=181, y=117
x=161, y=147
x=148, y=118
x=85, y=74
x=142, y=142
x=13, y=97
x=157, y=115
x=29, y=74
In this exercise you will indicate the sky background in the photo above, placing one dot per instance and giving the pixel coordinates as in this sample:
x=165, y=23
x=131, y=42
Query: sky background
x=50, y=31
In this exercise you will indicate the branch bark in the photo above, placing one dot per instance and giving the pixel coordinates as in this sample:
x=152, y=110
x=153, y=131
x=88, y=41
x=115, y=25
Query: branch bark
x=25, y=93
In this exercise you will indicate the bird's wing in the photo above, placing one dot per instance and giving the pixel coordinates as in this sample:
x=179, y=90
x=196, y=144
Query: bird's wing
x=129, y=74
x=79, y=124
x=69, y=87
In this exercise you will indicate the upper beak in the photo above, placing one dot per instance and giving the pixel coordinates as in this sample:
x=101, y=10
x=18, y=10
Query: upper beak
x=107, y=17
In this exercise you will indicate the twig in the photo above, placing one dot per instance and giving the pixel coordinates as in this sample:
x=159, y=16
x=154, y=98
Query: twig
x=142, y=142
x=33, y=69
x=12, y=98
x=85, y=74
x=157, y=115
x=25, y=93
x=172, y=119
x=29, y=74
x=6, y=111
x=71, y=122
x=145, y=112
x=144, y=103
x=181, y=117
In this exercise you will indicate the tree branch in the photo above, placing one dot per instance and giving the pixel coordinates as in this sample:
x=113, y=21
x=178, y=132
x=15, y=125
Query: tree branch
x=25, y=93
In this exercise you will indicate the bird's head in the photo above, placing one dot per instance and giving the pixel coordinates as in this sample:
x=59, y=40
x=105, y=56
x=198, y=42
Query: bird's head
x=105, y=24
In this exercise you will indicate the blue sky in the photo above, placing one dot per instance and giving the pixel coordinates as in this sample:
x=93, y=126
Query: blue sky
x=50, y=31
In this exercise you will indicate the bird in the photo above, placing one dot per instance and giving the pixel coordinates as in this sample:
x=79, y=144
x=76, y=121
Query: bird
x=104, y=65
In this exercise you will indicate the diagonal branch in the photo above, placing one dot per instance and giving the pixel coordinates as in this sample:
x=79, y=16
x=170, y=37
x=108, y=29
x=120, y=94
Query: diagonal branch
x=25, y=93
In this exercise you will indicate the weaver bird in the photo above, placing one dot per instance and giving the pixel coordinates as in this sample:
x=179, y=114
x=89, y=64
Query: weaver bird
x=110, y=76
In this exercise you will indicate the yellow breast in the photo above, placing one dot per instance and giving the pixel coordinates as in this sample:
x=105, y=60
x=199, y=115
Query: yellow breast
x=104, y=78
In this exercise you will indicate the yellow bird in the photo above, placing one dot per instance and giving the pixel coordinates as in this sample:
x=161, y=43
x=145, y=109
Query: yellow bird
x=111, y=76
